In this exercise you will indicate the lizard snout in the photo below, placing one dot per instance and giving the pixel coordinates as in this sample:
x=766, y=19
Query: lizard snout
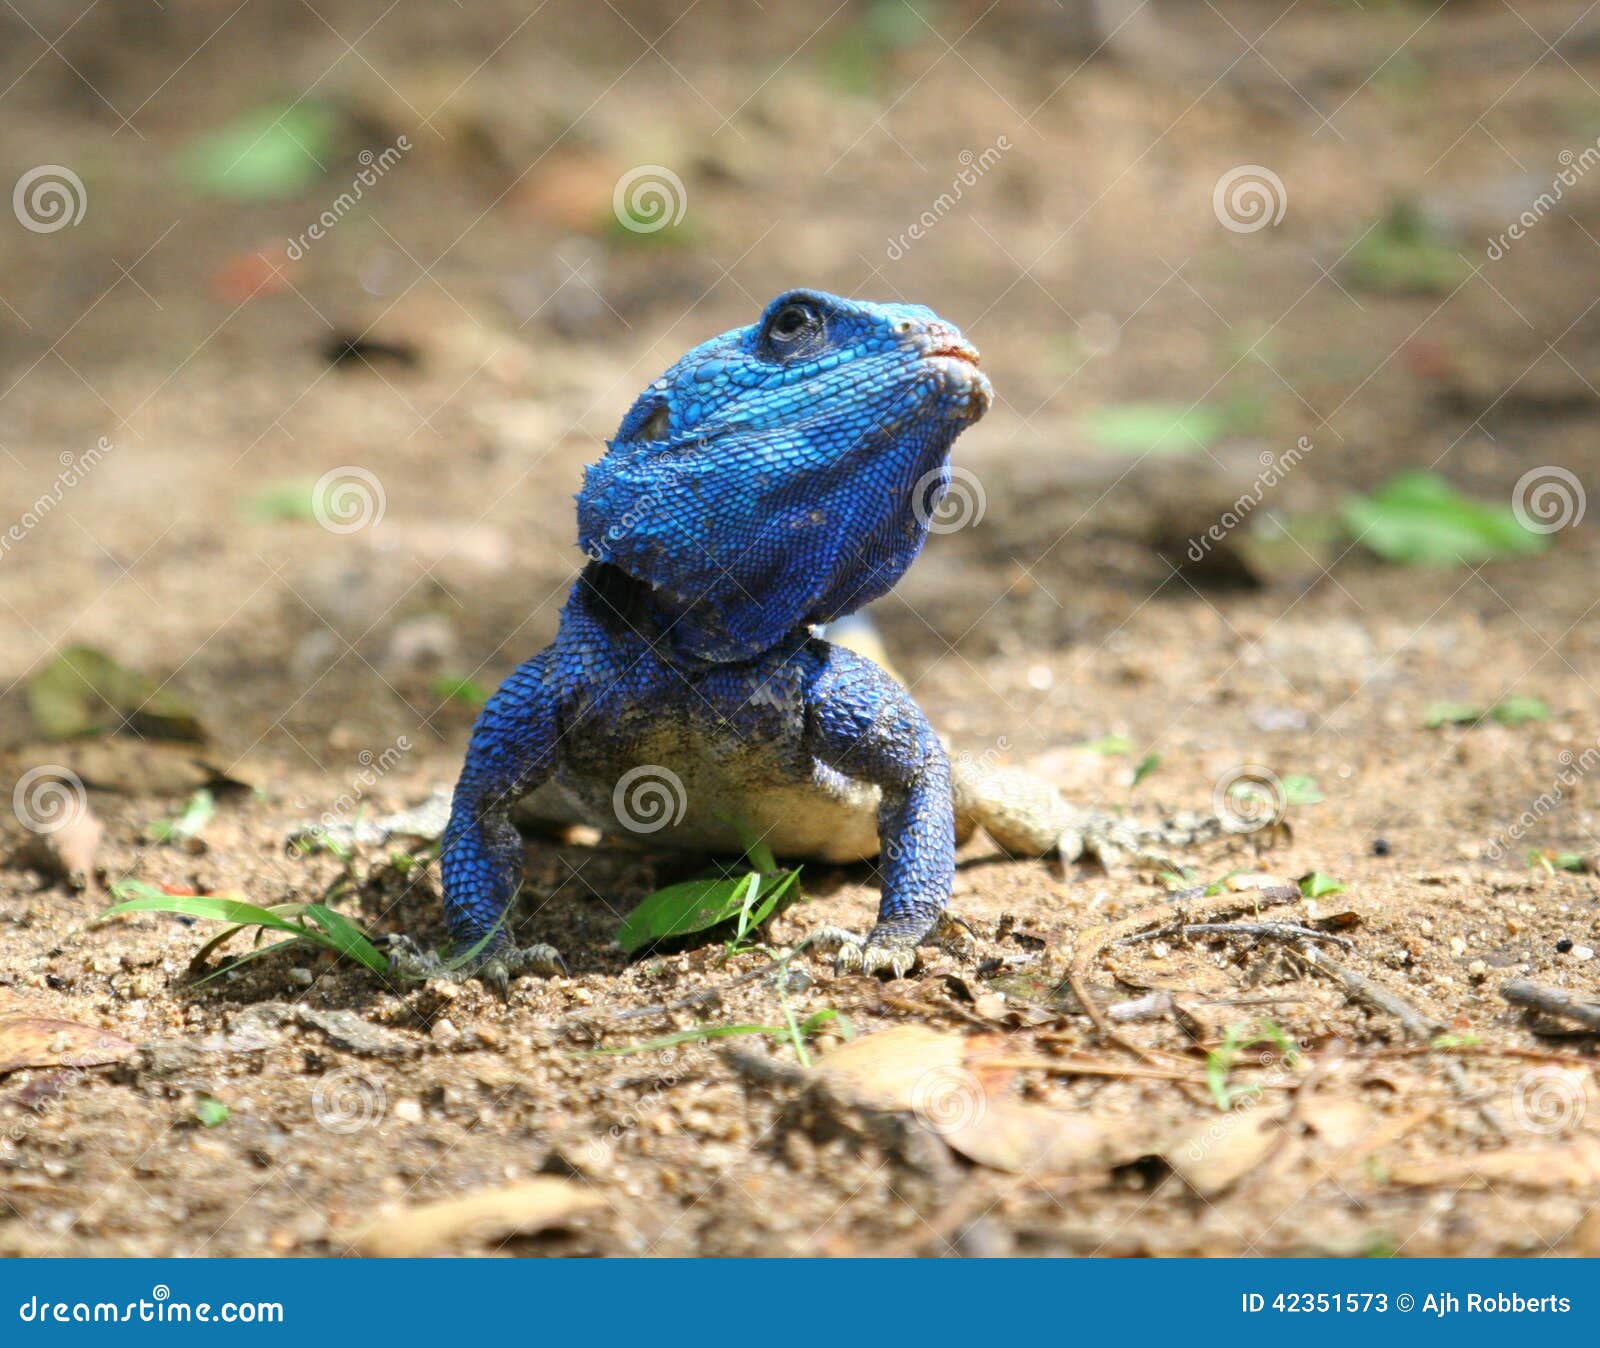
x=966, y=387
x=938, y=338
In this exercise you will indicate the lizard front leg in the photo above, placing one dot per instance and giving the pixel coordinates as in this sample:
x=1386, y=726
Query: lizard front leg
x=512, y=751
x=862, y=723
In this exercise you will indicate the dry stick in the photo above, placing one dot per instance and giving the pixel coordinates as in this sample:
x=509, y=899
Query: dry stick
x=1084, y=1067
x=1219, y=904
x=1511, y=1051
x=1412, y=1021
x=1363, y=989
x=1552, y=1002
x=1088, y=1067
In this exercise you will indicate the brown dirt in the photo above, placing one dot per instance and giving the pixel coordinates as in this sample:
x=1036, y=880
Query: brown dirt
x=1090, y=268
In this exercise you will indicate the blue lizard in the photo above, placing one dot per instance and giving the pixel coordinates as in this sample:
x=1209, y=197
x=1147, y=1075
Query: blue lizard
x=777, y=477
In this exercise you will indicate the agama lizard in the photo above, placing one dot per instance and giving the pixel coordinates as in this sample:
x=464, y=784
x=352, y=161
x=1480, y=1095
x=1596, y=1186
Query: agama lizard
x=777, y=477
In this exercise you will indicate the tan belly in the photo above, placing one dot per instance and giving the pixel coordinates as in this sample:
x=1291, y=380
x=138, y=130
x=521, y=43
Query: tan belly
x=682, y=792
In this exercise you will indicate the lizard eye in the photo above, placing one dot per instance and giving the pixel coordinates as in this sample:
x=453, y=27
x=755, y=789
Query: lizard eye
x=791, y=328
x=654, y=426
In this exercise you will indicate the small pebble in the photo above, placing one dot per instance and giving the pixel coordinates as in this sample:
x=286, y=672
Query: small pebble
x=300, y=977
x=1563, y=945
x=1380, y=847
x=1582, y=952
x=407, y=1111
x=1458, y=947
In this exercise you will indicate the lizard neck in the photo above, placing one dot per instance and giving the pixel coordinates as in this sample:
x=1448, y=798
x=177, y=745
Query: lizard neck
x=626, y=608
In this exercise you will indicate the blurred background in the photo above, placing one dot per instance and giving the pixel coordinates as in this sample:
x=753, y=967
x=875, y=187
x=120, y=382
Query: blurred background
x=312, y=314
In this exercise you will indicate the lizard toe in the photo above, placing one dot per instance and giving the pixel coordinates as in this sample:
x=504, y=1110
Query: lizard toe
x=896, y=961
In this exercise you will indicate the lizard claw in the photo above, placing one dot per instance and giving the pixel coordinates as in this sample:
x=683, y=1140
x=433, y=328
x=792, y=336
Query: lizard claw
x=508, y=962
x=495, y=967
x=879, y=952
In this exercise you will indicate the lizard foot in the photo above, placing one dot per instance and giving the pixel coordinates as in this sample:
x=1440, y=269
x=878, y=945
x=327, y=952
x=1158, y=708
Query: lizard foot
x=1026, y=816
x=1114, y=840
x=495, y=967
x=885, y=949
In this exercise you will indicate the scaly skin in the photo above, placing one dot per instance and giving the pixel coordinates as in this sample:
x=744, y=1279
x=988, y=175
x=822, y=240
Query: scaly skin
x=777, y=477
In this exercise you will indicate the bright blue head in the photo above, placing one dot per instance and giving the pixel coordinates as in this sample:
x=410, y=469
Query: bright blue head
x=784, y=473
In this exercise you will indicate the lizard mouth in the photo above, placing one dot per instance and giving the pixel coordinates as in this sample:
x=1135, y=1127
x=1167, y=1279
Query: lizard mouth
x=966, y=387
x=963, y=351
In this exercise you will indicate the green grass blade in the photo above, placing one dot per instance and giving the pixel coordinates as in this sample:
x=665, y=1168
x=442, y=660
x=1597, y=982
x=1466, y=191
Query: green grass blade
x=213, y=907
x=343, y=936
x=244, y=959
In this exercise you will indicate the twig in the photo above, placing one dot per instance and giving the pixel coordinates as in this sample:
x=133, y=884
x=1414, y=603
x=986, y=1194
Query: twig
x=1087, y=1067
x=1476, y=1051
x=1364, y=989
x=1212, y=906
x=1412, y=1021
x=1552, y=1002
x=1090, y=1067
x=1278, y=931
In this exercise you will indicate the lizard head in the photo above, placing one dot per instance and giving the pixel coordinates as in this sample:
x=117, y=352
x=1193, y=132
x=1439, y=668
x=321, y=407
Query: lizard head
x=784, y=473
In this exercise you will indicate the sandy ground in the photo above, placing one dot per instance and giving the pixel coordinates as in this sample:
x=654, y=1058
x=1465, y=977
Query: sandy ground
x=1089, y=265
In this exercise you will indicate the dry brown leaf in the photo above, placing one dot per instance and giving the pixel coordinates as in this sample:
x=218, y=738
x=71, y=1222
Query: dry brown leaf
x=69, y=852
x=37, y=1041
x=899, y=1068
x=422, y=1229
x=1215, y=1152
x=955, y=1086
x=1024, y=1139
x=1573, y=1165
x=1339, y=1121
